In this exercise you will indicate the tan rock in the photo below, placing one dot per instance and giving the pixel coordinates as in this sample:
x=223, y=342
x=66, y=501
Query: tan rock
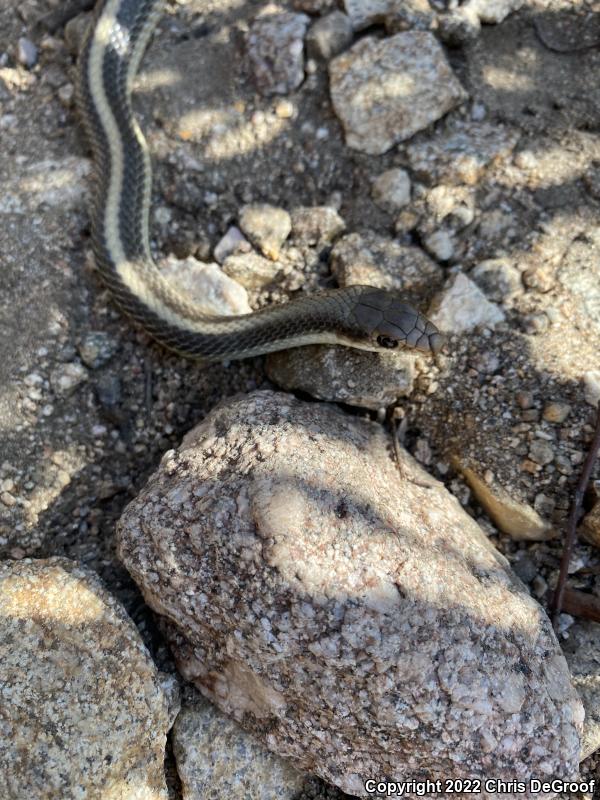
x=343, y=607
x=83, y=711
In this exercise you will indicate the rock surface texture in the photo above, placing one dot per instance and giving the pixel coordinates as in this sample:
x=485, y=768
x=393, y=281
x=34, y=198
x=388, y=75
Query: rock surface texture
x=582, y=651
x=82, y=711
x=343, y=607
x=217, y=759
x=384, y=91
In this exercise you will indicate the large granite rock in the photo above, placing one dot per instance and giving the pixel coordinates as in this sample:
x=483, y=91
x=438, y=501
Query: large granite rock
x=343, y=607
x=82, y=712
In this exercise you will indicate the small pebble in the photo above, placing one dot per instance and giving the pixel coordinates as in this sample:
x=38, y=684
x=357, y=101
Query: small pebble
x=591, y=387
x=541, y=452
x=8, y=499
x=539, y=586
x=391, y=190
x=525, y=399
x=556, y=412
x=109, y=391
x=329, y=35
x=232, y=242
x=284, y=109
x=439, y=244
x=27, y=52
x=96, y=349
x=266, y=226
x=497, y=278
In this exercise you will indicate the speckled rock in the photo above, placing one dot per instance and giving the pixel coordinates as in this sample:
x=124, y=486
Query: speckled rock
x=461, y=154
x=384, y=91
x=96, y=348
x=494, y=11
x=251, y=270
x=329, y=35
x=344, y=375
x=217, y=759
x=275, y=46
x=343, y=607
x=266, y=226
x=65, y=378
x=498, y=279
x=591, y=386
x=582, y=651
x=232, y=242
x=391, y=189
x=374, y=260
x=411, y=13
x=206, y=285
x=83, y=713
x=316, y=225
x=462, y=306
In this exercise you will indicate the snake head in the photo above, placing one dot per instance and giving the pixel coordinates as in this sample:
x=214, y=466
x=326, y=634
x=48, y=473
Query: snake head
x=389, y=323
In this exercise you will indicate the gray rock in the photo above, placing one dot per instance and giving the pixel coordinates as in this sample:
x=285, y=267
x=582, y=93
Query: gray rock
x=316, y=225
x=344, y=375
x=582, y=651
x=384, y=91
x=394, y=14
x=460, y=154
x=541, y=452
x=82, y=711
x=462, y=306
x=578, y=274
x=439, y=244
x=459, y=27
x=329, y=35
x=233, y=241
x=375, y=260
x=494, y=11
x=27, y=52
x=217, y=759
x=206, y=285
x=591, y=386
x=275, y=46
x=266, y=226
x=363, y=13
x=251, y=270
x=446, y=207
x=499, y=279
x=96, y=349
x=344, y=607
x=391, y=189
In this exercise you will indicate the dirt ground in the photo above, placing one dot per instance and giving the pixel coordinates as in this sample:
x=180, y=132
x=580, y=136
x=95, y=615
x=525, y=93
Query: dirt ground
x=77, y=444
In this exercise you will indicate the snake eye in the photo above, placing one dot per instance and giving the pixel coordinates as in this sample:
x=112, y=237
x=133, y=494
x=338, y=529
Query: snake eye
x=386, y=341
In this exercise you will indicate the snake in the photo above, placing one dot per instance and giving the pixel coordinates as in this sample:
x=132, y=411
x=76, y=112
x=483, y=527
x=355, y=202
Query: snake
x=362, y=317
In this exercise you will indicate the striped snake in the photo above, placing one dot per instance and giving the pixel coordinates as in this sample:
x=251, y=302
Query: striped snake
x=363, y=317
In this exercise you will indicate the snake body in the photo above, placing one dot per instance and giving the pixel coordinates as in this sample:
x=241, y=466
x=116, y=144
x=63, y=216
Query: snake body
x=359, y=316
